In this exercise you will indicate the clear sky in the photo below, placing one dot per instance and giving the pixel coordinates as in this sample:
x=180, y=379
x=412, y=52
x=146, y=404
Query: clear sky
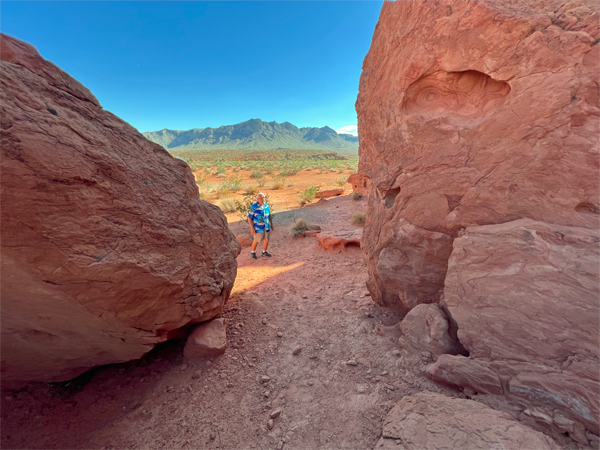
x=183, y=65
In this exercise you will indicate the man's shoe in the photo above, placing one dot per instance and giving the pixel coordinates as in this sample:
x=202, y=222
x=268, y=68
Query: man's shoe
x=254, y=255
x=267, y=254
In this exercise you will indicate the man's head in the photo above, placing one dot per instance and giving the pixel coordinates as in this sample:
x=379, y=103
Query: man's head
x=260, y=198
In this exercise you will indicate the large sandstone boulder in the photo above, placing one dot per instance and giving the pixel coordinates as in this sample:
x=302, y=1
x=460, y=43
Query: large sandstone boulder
x=526, y=298
x=106, y=246
x=428, y=421
x=473, y=113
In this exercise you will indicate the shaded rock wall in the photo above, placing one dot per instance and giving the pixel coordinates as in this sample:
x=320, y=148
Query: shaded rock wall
x=473, y=113
x=106, y=246
x=526, y=298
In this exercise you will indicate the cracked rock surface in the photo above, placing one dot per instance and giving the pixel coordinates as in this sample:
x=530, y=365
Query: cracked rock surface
x=106, y=246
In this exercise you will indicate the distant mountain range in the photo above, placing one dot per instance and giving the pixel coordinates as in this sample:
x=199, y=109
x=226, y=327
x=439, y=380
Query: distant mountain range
x=255, y=134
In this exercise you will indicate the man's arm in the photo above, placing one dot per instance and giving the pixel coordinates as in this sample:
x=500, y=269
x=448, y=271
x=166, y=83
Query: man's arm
x=271, y=222
x=251, y=226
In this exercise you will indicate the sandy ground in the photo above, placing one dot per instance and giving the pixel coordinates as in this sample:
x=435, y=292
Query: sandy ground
x=302, y=297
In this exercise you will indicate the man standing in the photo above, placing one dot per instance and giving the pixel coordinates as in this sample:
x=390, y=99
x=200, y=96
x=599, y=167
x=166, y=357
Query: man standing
x=259, y=218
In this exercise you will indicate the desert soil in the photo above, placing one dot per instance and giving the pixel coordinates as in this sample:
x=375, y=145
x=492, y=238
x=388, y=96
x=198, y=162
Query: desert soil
x=334, y=393
x=282, y=199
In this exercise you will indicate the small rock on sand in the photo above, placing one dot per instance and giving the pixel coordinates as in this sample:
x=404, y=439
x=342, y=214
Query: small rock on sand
x=275, y=414
x=297, y=350
x=352, y=362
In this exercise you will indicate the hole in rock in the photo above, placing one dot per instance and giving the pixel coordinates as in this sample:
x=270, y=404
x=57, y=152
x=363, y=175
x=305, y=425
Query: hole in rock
x=390, y=197
x=587, y=208
x=467, y=94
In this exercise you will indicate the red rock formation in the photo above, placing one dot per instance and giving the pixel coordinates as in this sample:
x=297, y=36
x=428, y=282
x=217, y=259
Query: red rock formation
x=525, y=296
x=329, y=193
x=435, y=422
x=106, y=246
x=473, y=113
x=339, y=239
x=359, y=183
x=207, y=339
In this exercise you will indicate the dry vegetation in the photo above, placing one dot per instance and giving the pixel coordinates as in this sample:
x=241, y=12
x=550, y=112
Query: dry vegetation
x=291, y=177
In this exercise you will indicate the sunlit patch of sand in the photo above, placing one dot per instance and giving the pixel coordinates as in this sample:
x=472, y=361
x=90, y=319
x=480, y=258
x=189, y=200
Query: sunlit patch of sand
x=250, y=276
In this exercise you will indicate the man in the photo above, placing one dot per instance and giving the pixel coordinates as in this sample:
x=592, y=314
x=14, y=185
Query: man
x=259, y=218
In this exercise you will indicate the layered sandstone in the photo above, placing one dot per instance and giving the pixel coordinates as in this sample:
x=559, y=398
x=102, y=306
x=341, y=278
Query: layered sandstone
x=473, y=113
x=435, y=422
x=106, y=246
x=526, y=298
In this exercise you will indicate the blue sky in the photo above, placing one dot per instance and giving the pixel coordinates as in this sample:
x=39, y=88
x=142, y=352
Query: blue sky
x=183, y=65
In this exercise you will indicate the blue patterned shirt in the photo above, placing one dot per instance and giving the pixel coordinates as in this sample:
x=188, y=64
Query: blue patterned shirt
x=260, y=217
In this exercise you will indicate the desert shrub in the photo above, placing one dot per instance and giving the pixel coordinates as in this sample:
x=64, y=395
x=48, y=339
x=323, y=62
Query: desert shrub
x=332, y=169
x=257, y=174
x=268, y=170
x=209, y=188
x=251, y=190
x=200, y=180
x=356, y=196
x=341, y=182
x=223, y=191
x=228, y=205
x=358, y=219
x=279, y=182
x=234, y=183
x=261, y=181
x=308, y=195
x=340, y=170
x=299, y=227
x=308, y=169
x=236, y=169
x=321, y=170
x=207, y=170
x=220, y=169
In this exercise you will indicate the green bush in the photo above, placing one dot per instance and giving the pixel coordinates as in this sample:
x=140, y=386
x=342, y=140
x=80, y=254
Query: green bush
x=251, y=190
x=308, y=195
x=261, y=181
x=244, y=206
x=299, y=227
x=257, y=174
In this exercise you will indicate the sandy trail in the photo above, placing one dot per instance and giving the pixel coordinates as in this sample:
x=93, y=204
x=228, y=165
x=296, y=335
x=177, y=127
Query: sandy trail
x=301, y=297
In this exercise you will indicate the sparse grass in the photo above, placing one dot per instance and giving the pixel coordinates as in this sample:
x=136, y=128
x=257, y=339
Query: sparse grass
x=257, y=174
x=228, y=205
x=279, y=182
x=207, y=170
x=358, y=219
x=222, y=191
x=356, y=196
x=200, y=180
x=251, y=190
x=341, y=182
x=261, y=181
x=308, y=195
x=299, y=227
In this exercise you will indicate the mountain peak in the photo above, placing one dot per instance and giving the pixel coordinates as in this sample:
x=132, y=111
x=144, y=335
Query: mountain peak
x=255, y=134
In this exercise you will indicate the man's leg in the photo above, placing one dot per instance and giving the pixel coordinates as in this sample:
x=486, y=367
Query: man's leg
x=266, y=243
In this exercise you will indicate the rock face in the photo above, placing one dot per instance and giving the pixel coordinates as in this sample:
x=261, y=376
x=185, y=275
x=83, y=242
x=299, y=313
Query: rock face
x=359, y=183
x=106, y=246
x=426, y=328
x=207, y=339
x=436, y=422
x=473, y=113
x=525, y=296
x=339, y=239
x=326, y=193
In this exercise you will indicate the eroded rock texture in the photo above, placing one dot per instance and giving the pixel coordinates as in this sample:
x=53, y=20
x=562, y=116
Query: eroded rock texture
x=436, y=422
x=525, y=296
x=473, y=113
x=106, y=246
